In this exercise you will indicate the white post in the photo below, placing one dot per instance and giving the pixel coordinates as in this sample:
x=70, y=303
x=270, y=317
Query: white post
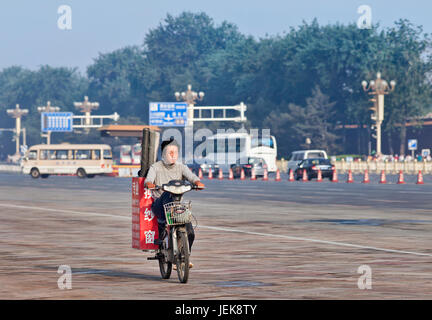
x=189, y=134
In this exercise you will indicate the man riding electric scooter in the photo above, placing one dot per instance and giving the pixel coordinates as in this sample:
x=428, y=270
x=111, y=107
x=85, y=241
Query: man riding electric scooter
x=163, y=172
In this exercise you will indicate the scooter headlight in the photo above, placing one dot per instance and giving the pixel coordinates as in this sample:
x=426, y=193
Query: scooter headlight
x=177, y=189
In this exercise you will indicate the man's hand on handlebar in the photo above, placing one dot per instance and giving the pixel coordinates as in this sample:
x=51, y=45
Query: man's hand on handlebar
x=199, y=185
x=150, y=185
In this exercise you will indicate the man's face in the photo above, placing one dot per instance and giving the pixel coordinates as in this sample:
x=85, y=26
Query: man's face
x=171, y=154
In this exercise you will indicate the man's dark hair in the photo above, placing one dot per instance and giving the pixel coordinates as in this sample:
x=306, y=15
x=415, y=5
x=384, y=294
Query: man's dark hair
x=170, y=142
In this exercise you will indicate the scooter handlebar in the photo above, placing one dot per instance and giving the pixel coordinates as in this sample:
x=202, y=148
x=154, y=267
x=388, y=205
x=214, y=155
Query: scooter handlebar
x=194, y=187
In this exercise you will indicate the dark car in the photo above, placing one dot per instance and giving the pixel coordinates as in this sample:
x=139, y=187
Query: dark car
x=312, y=165
x=258, y=164
x=194, y=167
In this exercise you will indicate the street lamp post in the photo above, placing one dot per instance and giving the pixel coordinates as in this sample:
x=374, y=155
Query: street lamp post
x=17, y=113
x=86, y=106
x=48, y=108
x=190, y=97
x=378, y=87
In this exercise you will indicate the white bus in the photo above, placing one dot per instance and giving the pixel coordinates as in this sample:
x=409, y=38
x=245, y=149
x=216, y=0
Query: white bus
x=125, y=154
x=226, y=148
x=84, y=160
x=136, y=153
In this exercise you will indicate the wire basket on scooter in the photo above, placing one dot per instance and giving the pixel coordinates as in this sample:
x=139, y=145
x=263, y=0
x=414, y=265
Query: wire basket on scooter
x=178, y=212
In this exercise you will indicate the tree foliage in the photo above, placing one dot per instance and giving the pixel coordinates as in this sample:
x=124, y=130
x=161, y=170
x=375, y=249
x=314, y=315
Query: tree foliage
x=304, y=83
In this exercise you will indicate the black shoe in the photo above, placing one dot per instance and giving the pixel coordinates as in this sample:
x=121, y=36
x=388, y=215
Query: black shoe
x=158, y=242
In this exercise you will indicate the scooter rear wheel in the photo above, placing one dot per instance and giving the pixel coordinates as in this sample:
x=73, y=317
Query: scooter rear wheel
x=165, y=267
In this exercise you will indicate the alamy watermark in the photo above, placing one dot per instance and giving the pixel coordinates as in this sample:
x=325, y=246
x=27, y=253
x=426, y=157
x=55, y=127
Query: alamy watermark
x=365, y=280
x=365, y=20
x=64, y=22
x=65, y=280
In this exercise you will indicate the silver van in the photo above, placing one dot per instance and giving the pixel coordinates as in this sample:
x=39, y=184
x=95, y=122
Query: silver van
x=300, y=155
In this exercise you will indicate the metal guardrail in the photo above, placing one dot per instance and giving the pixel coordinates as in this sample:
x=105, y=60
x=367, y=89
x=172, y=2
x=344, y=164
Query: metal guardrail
x=9, y=168
x=358, y=167
x=408, y=167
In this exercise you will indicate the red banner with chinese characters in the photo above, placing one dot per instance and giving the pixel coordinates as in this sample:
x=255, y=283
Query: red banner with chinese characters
x=144, y=222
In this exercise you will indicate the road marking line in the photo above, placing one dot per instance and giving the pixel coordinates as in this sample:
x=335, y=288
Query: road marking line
x=65, y=211
x=318, y=241
x=343, y=244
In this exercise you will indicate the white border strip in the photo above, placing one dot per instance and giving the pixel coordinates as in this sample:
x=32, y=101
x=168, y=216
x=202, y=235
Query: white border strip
x=343, y=244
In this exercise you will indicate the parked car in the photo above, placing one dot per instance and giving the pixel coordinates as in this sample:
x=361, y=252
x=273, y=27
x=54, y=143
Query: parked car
x=207, y=165
x=258, y=164
x=297, y=156
x=194, y=167
x=312, y=165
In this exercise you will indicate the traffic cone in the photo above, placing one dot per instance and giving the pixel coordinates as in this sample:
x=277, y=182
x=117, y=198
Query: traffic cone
x=242, y=174
x=383, y=177
x=220, y=174
x=319, y=176
x=366, y=177
x=350, y=177
x=231, y=175
x=200, y=174
x=253, y=176
x=210, y=174
x=335, y=176
x=265, y=178
x=291, y=176
x=420, y=178
x=305, y=176
x=278, y=178
x=401, y=178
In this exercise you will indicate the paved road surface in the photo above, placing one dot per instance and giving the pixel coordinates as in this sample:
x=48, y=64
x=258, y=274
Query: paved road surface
x=254, y=240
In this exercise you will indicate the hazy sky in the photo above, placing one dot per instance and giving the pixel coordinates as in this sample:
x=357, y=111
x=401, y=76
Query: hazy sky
x=30, y=36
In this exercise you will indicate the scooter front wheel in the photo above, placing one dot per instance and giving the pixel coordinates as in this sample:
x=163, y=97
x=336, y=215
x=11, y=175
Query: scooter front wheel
x=182, y=260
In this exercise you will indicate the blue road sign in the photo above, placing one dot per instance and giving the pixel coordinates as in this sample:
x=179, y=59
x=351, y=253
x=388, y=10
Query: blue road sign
x=56, y=121
x=167, y=114
x=412, y=144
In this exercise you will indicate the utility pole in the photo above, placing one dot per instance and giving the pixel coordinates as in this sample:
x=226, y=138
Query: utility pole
x=17, y=113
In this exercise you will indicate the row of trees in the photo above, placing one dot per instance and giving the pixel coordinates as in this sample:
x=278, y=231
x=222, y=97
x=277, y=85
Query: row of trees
x=305, y=83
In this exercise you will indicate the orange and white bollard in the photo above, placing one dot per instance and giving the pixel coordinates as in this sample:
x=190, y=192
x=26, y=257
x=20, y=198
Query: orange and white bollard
x=350, y=177
x=420, y=178
x=366, y=177
x=242, y=174
x=231, y=175
x=220, y=177
x=319, y=176
x=383, y=177
x=305, y=176
x=401, y=178
x=291, y=175
x=200, y=174
x=335, y=176
x=253, y=176
x=210, y=174
x=265, y=178
x=278, y=178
